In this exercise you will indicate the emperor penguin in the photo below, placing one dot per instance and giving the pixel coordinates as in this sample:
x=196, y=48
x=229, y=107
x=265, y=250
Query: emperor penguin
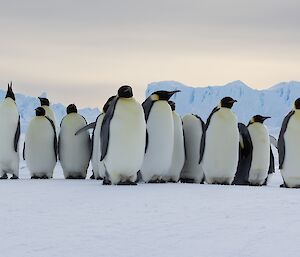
x=193, y=127
x=178, y=156
x=288, y=147
x=98, y=166
x=256, y=160
x=74, y=151
x=123, y=138
x=219, y=150
x=160, y=137
x=40, y=147
x=49, y=112
x=9, y=136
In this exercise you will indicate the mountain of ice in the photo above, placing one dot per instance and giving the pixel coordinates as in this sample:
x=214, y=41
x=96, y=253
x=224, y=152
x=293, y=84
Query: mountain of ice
x=27, y=105
x=276, y=101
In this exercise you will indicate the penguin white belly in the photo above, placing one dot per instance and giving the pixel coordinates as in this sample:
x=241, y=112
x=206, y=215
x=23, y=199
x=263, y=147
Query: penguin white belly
x=178, y=156
x=220, y=158
x=74, y=150
x=39, y=147
x=192, y=170
x=291, y=166
x=9, y=158
x=127, y=139
x=98, y=167
x=158, y=157
x=260, y=154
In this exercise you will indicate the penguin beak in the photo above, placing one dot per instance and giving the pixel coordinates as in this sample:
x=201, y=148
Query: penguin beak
x=171, y=93
x=233, y=101
x=267, y=117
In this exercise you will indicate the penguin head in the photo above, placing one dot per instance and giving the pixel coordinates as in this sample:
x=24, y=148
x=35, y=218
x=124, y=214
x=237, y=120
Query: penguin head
x=125, y=92
x=44, y=101
x=71, y=108
x=40, y=111
x=10, y=93
x=259, y=119
x=163, y=95
x=297, y=104
x=107, y=104
x=227, y=102
x=172, y=104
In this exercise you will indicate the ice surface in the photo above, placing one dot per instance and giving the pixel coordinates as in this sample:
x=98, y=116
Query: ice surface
x=276, y=101
x=75, y=218
x=83, y=218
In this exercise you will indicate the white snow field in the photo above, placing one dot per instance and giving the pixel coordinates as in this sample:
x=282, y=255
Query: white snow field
x=84, y=218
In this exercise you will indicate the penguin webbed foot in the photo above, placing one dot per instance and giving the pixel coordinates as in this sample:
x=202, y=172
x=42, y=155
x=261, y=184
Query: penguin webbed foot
x=127, y=183
x=14, y=177
x=106, y=182
x=4, y=176
x=93, y=176
x=187, y=180
x=153, y=181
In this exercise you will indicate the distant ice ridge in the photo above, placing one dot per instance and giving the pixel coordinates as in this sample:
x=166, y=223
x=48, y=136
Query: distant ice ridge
x=27, y=104
x=276, y=101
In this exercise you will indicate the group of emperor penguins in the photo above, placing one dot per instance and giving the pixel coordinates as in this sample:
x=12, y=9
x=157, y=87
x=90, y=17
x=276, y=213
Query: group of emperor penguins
x=150, y=143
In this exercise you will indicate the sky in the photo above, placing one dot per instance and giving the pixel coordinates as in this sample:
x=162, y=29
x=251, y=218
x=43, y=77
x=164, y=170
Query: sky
x=82, y=51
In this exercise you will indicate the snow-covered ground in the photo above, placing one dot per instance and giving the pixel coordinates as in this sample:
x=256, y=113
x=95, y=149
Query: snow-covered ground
x=84, y=218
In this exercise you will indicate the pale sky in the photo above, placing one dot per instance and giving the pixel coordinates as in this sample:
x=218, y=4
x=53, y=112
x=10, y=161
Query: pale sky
x=82, y=51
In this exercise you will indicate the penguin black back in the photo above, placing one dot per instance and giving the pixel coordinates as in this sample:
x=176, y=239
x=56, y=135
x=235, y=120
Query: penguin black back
x=245, y=157
x=104, y=133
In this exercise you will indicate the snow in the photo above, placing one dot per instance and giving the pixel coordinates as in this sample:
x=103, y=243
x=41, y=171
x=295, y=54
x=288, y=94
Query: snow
x=84, y=218
x=276, y=101
x=73, y=218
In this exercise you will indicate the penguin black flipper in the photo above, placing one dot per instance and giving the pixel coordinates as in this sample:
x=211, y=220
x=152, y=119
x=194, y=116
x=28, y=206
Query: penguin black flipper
x=203, y=138
x=55, y=137
x=24, y=151
x=93, y=134
x=58, y=147
x=90, y=142
x=89, y=126
x=104, y=133
x=272, y=162
x=184, y=143
x=147, y=141
x=273, y=141
x=245, y=156
x=17, y=136
x=147, y=105
x=281, y=143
